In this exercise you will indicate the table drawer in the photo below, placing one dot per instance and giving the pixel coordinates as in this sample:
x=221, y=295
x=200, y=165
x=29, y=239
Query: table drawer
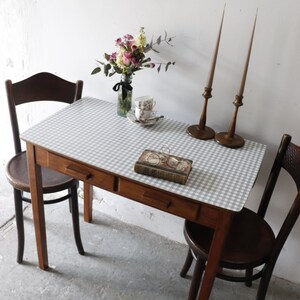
x=82, y=172
x=161, y=200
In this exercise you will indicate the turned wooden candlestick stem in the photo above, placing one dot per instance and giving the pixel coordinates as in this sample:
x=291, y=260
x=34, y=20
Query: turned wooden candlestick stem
x=237, y=103
x=229, y=138
x=206, y=95
x=201, y=131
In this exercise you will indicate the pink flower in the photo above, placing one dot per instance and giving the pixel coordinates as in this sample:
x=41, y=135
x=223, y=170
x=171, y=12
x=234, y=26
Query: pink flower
x=135, y=61
x=112, y=57
x=118, y=41
x=126, y=60
x=129, y=43
x=128, y=37
x=127, y=54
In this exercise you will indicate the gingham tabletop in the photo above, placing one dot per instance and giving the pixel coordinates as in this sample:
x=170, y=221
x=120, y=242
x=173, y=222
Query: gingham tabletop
x=90, y=131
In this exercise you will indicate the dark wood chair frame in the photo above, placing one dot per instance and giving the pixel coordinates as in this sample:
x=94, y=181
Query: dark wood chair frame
x=251, y=241
x=40, y=87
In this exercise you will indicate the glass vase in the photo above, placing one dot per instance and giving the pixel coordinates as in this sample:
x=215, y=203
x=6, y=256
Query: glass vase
x=124, y=95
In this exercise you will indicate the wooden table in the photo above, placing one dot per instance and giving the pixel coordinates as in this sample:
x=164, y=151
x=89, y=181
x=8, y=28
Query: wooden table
x=88, y=141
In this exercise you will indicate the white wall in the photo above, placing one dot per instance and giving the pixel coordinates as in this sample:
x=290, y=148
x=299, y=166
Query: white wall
x=66, y=36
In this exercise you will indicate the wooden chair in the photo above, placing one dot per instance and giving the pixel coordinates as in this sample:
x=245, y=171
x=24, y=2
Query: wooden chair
x=251, y=241
x=42, y=86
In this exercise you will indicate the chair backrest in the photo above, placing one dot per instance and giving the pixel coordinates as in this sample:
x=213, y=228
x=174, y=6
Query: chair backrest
x=288, y=158
x=39, y=87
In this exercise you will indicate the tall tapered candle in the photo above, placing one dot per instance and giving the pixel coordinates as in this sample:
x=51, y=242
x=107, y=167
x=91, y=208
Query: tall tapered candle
x=243, y=81
x=214, y=59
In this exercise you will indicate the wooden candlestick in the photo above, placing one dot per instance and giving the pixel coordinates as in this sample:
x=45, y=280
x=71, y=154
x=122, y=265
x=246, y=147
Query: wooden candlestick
x=230, y=139
x=201, y=131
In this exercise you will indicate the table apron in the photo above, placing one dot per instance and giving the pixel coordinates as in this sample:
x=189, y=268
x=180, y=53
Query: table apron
x=175, y=204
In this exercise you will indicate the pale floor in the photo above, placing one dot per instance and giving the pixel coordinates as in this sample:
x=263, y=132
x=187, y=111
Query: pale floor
x=121, y=262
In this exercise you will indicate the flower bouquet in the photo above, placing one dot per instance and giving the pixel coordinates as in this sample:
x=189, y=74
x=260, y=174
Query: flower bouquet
x=129, y=58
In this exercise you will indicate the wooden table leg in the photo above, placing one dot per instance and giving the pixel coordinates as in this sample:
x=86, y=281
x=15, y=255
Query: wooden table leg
x=35, y=180
x=88, y=202
x=214, y=255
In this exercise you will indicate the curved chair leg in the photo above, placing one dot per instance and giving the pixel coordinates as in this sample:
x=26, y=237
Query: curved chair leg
x=187, y=264
x=249, y=272
x=196, y=279
x=75, y=219
x=19, y=223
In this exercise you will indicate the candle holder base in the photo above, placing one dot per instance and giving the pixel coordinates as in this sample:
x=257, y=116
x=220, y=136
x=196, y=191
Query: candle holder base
x=231, y=142
x=206, y=133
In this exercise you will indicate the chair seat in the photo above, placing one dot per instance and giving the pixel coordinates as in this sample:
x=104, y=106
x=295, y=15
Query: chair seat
x=17, y=175
x=249, y=242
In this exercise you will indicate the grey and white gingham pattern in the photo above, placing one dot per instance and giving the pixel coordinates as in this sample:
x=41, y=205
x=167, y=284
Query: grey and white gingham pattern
x=90, y=131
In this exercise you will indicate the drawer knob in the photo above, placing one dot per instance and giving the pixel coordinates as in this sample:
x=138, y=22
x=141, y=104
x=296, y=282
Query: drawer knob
x=75, y=171
x=154, y=199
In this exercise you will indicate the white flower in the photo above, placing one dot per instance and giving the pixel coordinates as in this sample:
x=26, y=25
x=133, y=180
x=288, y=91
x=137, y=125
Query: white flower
x=140, y=40
x=119, y=60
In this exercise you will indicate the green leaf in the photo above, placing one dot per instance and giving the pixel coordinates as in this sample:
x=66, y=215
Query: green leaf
x=147, y=48
x=155, y=50
x=117, y=70
x=158, y=69
x=106, y=69
x=146, y=60
x=107, y=56
x=96, y=70
x=167, y=66
x=158, y=41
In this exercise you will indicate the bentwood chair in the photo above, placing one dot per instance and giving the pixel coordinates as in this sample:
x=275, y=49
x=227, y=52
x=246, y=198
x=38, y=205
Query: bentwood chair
x=251, y=242
x=40, y=87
